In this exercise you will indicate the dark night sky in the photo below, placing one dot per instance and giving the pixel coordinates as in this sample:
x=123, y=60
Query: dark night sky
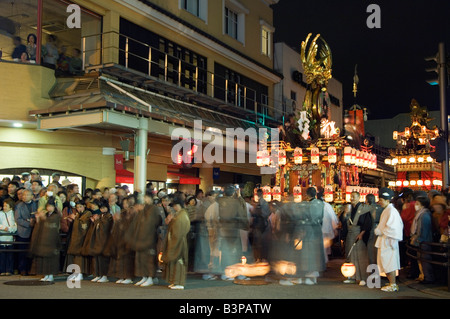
x=391, y=65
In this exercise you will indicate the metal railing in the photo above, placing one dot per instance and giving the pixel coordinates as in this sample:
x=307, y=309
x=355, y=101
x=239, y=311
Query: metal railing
x=443, y=252
x=98, y=51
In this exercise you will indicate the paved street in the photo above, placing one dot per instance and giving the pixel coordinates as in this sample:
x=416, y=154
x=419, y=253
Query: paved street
x=330, y=286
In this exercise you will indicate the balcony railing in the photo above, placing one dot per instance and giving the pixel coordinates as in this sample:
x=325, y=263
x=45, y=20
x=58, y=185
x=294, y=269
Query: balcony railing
x=100, y=50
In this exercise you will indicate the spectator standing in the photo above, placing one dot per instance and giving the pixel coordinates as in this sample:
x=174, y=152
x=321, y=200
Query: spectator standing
x=46, y=243
x=13, y=186
x=36, y=187
x=35, y=175
x=421, y=233
x=26, y=180
x=7, y=226
x=52, y=191
x=439, y=216
x=25, y=218
x=113, y=207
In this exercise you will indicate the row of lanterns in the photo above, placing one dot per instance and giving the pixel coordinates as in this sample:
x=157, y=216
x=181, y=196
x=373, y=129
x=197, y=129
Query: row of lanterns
x=351, y=156
x=360, y=158
x=406, y=160
x=274, y=193
x=419, y=182
x=363, y=192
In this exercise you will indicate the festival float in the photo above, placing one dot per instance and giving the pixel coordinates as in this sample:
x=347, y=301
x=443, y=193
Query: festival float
x=311, y=149
x=414, y=166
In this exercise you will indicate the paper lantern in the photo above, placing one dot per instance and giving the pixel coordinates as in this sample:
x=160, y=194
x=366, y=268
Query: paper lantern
x=243, y=260
x=276, y=193
x=398, y=183
x=353, y=162
x=315, y=155
x=248, y=270
x=348, y=193
x=332, y=154
x=429, y=159
x=407, y=132
x=365, y=159
x=282, y=157
x=265, y=158
x=395, y=161
x=328, y=192
x=420, y=182
x=395, y=135
x=427, y=182
x=297, y=193
x=359, y=158
x=413, y=183
x=347, y=155
x=267, y=193
x=298, y=155
x=283, y=267
x=348, y=270
x=259, y=158
x=405, y=183
x=375, y=161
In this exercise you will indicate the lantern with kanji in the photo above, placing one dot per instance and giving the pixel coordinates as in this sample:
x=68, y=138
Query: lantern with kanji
x=297, y=193
x=328, y=193
x=347, y=155
x=282, y=156
x=332, y=154
x=259, y=158
x=265, y=158
x=267, y=193
x=348, y=270
x=298, y=155
x=276, y=193
x=315, y=155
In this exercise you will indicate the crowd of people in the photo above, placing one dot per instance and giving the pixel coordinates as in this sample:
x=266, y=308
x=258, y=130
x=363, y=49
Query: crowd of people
x=112, y=233
x=51, y=56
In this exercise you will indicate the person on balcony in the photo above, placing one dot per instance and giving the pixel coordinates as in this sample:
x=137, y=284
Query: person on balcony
x=31, y=47
x=19, y=48
x=51, y=52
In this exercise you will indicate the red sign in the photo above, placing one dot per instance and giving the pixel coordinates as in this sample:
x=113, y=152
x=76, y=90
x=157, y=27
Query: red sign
x=118, y=161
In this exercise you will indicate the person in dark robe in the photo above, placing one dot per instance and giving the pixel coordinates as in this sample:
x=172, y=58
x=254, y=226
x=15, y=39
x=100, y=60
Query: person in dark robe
x=80, y=226
x=175, y=255
x=142, y=236
x=356, y=229
x=121, y=256
x=102, y=224
x=45, y=243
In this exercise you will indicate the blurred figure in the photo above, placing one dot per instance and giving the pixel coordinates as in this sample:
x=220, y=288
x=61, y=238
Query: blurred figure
x=232, y=218
x=308, y=238
x=76, y=64
x=375, y=211
x=211, y=209
x=31, y=46
x=142, y=238
x=176, y=247
x=329, y=225
x=81, y=223
x=51, y=52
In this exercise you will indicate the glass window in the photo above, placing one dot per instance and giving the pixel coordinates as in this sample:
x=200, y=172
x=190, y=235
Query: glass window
x=265, y=41
x=231, y=23
x=192, y=6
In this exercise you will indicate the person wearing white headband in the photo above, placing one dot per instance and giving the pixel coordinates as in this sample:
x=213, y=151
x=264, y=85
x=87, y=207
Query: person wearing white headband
x=389, y=232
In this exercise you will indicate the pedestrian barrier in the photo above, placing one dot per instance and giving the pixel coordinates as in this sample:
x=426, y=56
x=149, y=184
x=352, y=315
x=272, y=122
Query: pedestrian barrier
x=440, y=250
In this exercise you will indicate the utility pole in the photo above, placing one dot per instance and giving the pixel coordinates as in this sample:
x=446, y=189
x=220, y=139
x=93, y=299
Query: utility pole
x=441, y=70
x=444, y=116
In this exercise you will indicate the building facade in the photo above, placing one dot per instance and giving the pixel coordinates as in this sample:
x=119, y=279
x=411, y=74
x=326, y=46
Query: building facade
x=145, y=69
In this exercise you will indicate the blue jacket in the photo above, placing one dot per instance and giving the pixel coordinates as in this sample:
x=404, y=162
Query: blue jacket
x=23, y=216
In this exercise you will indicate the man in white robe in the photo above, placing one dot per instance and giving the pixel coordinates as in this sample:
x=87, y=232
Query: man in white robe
x=329, y=226
x=389, y=232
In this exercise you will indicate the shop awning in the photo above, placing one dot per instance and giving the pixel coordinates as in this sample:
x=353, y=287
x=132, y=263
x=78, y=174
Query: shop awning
x=124, y=177
x=183, y=178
